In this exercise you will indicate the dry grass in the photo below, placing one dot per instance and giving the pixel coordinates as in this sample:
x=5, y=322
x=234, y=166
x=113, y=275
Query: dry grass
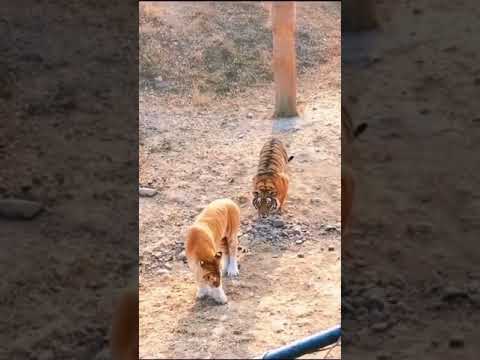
x=211, y=49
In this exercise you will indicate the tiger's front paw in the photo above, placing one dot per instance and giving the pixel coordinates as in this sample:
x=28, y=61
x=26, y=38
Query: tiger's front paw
x=232, y=270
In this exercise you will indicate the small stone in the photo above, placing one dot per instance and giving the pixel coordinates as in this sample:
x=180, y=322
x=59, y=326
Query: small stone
x=249, y=115
x=19, y=209
x=163, y=272
x=182, y=256
x=456, y=342
x=167, y=266
x=331, y=248
x=277, y=326
x=330, y=228
x=278, y=223
x=298, y=242
x=453, y=293
x=300, y=256
x=381, y=326
x=147, y=192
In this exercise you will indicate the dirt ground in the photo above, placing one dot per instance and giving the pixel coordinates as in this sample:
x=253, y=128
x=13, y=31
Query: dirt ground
x=289, y=284
x=416, y=238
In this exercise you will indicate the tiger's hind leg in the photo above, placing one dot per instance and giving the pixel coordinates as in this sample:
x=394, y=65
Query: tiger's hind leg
x=282, y=192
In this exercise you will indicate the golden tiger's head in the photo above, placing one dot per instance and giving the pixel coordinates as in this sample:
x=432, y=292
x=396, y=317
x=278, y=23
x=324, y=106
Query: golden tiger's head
x=211, y=270
x=265, y=199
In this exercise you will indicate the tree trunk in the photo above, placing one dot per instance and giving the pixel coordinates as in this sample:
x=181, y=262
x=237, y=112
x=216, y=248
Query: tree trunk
x=358, y=15
x=284, y=58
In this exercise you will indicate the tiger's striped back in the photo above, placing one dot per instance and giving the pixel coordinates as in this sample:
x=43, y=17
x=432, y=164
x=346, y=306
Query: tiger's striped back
x=273, y=158
x=271, y=181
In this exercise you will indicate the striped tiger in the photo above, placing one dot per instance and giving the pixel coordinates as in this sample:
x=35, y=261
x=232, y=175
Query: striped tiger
x=270, y=184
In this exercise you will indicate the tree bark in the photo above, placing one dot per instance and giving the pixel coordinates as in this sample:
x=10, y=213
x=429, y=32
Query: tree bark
x=359, y=15
x=284, y=58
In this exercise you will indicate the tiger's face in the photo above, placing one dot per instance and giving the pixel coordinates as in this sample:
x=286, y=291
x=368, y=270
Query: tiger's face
x=265, y=202
x=211, y=271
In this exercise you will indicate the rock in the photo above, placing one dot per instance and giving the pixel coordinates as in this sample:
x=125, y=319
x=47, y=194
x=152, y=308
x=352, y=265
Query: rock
x=331, y=228
x=453, y=293
x=331, y=248
x=300, y=256
x=163, y=272
x=456, y=342
x=19, y=209
x=298, y=242
x=167, y=266
x=381, y=326
x=147, y=192
x=278, y=223
x=182, y=256
x=249, y=115
x=277, y=326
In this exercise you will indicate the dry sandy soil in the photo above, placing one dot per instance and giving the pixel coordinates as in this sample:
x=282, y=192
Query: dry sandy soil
x=193, y=153
x=417, y=213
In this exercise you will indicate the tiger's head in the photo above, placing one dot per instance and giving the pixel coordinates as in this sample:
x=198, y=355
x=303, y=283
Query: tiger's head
x=211, y=274
x=265, y=200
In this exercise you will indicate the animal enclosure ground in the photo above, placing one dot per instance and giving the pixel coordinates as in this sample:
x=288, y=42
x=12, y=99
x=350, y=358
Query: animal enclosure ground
x=289, y=284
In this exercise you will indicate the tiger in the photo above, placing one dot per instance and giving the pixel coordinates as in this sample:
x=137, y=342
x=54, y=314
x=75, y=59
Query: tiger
x=124, y=335
x=211, y=247
x=270, y=184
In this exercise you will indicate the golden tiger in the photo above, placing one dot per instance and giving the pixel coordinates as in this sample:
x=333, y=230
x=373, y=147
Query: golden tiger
x=270, y=184
x=124, y=337
x=211, y=241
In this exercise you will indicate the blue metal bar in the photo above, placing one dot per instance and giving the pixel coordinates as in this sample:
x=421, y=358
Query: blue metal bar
x=305, y=346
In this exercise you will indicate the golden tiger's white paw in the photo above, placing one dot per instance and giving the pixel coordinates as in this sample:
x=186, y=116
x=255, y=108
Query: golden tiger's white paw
x=219, y=295
x=232, y=269
x=202, y=292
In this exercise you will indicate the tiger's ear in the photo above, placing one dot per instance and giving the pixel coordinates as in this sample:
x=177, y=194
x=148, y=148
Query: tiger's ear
x=218, y=255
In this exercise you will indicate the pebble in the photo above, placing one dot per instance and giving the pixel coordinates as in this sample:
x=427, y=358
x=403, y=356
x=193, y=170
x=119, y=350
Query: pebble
x=147, y=192
x=19, y=209
x=300, y=256
x=163, y=272
x=278, y=223
x=456, y=342
x=182, y=256
x=330, y=228
x=331, y=248
x=167, y=266
x=381, y=326
x=249, y=115
x=453, y=293
x=298, y=242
